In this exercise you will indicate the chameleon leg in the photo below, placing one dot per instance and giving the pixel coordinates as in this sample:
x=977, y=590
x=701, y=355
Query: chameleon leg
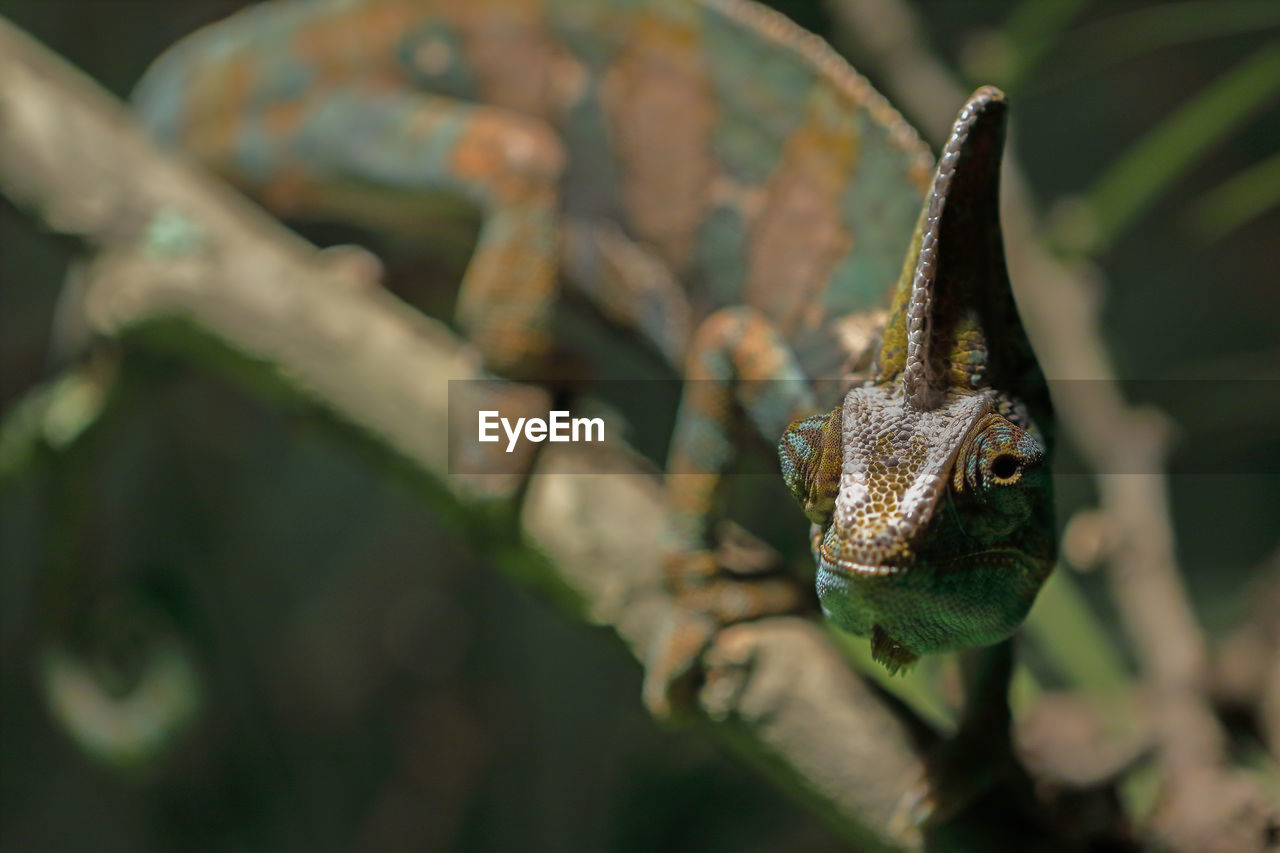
x=390, y=153
x=629, y=283
x=737, y=364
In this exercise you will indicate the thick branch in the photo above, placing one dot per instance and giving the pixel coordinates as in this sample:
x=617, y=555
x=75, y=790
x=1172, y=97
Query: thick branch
x=173, y=243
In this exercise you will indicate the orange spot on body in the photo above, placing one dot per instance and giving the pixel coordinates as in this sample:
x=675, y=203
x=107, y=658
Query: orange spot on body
x=662, y=109
x=287, y=192
x=218, y=104
x=282, y=119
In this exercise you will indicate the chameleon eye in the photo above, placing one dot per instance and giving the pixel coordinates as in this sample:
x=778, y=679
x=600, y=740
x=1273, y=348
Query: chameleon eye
x=810, y=456
x=1005, y=468
x=999, y=454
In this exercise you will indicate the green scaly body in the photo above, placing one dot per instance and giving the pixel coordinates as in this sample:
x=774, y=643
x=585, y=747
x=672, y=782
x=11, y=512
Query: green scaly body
x=724, y=184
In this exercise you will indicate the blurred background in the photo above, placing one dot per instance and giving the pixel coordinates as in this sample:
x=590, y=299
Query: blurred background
x=357, y=676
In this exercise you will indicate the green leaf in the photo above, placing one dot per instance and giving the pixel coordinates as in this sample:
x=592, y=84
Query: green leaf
x=1237, y=201
x=1136, y=179
x=1098, y=46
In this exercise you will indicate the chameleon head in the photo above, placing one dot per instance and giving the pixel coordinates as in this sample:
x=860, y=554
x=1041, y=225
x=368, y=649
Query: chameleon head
x=927, y=487
x=935, y=529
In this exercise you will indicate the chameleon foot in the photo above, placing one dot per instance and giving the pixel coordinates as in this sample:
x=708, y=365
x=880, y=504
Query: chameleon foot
x=671, y=663
x=708, y=597
x=887, y=651
x=354, y=264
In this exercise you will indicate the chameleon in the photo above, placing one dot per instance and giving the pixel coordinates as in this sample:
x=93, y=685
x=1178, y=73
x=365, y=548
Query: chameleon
x=723, y=184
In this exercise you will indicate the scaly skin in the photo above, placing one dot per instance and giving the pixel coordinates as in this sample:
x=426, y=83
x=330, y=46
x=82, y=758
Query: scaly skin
x=708, y=174
x=927, y=487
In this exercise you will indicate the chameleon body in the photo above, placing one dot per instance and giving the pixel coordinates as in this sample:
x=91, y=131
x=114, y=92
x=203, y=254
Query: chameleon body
x=723, y=183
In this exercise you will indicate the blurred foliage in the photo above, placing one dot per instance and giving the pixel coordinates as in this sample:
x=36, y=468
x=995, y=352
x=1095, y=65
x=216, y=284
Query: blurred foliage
x=368, y=681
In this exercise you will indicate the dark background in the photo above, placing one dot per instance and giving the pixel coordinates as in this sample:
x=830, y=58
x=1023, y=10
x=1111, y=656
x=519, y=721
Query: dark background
x=369, y=682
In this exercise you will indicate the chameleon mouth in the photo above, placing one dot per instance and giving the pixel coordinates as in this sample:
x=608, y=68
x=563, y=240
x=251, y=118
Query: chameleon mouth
x=853, y=569
x=1010, y=557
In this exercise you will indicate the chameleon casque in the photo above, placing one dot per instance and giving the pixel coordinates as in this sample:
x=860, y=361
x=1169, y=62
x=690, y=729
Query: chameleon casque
x=724, y=184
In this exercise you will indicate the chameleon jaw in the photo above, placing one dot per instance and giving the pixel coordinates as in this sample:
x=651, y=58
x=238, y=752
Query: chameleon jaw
x=930, y=605
x=851, y=569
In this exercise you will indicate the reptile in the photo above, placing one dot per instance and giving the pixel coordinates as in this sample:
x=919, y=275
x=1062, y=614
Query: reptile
x=722, y=183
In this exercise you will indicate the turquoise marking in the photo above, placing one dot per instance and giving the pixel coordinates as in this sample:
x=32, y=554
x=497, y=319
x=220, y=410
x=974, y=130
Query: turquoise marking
x=592, y=30
x=283, y=80
x=352, y=131
x=591, y=181
x=755, y=119
x=880, y=208
x=160, y=98
x=703, y=439
x=171, y=232
x=796, y=448
x=455, y=78
x=256, y=152
x=720, y=256
x=779, y=398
